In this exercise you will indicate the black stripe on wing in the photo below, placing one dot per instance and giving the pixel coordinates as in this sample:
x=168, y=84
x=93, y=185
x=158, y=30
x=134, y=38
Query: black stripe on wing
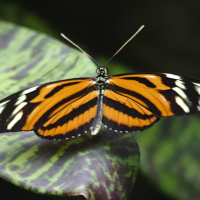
x=19, y=112
x=125, y=115
x=122, y=91
x=165, y=94
x=50, y=130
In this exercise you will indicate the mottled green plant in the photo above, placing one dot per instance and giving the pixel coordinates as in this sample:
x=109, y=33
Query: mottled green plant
x=98, y=167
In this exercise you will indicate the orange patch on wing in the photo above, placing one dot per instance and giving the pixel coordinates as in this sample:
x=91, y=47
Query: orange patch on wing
x=71, y=125
x=152, y=94
x=122, y=99
x=124, y=119
x=153, y=78
x=67, y=90
x=47, y=103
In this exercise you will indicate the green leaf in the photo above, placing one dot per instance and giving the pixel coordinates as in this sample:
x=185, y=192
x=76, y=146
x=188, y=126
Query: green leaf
x=98, y=167
x=28, y=58
x=171, y=156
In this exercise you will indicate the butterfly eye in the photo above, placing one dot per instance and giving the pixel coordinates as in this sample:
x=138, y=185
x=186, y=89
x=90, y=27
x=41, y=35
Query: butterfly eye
x=106, y=71
x=98, y=71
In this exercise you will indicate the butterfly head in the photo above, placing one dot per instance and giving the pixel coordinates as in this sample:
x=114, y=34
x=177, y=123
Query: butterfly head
x=102, y=71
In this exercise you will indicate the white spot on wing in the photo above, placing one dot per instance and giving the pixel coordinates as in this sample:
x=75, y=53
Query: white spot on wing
x=20, y=99
x=18, y=108
x=197, y=88
x=182, y=94
x=180, y=84
x=29, y=90
x=1, y=109
x=173, y=76
x=182, y=104
x=198, y=84
x=93, y=82
x=14, y=120
x=3, y=103
x=2, y=106
x=51, y=85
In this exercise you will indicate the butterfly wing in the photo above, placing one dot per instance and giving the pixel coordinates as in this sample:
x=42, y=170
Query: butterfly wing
x=57, y=110
x=133, y=102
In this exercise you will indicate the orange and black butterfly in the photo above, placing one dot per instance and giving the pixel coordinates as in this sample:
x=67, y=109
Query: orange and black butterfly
x=123, y=103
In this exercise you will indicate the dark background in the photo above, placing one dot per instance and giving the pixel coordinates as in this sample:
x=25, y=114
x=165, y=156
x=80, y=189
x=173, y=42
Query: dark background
x=170, y=42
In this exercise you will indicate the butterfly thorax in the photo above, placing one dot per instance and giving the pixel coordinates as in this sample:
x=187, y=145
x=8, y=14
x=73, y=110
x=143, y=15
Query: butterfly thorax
x=101, y=78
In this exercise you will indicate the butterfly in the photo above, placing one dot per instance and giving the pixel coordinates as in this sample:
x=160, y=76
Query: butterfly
x=123, y=103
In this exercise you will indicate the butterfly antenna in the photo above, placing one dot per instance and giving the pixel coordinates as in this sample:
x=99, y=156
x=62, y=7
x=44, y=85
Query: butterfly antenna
x=80, y=49
x=126, y=43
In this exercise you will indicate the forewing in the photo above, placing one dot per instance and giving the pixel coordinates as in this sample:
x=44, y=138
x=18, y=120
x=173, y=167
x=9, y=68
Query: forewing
x=55, y=110
x=134, y=102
